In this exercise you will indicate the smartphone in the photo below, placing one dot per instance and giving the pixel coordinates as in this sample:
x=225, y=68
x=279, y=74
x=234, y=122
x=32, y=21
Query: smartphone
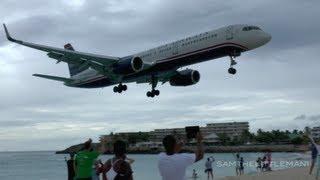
x=192, y=131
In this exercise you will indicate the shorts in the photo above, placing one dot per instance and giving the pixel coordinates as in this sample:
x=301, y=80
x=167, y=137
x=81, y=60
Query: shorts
x=208, y=170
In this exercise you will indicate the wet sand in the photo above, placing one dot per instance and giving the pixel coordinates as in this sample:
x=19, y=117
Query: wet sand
x=287, y=174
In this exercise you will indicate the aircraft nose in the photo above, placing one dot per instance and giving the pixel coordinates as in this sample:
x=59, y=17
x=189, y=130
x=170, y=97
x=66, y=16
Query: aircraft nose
x=266, y=37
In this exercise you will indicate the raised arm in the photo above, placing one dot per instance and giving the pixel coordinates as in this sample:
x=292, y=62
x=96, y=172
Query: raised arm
x=200, y=150
x=311, y=139
x=102, y=148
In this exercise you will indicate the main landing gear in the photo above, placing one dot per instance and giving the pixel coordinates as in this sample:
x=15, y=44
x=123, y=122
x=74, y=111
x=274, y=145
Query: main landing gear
x=153, y=92
x=120, y=88
x=233, y=62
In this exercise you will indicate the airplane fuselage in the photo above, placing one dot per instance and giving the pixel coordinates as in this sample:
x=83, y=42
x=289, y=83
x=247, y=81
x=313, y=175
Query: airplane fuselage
x=227, y=41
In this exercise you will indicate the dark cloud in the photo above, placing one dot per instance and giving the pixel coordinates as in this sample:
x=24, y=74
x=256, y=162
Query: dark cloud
x=274, y=83
x=301, y=117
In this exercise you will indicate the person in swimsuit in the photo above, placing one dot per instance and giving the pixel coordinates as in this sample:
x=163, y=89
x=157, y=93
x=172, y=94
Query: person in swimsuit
x=118, y=167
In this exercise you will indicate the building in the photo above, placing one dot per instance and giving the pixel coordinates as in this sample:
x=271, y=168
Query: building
x=126, y=136
x=231, y=129
x=316, y=132
x=150, y=145
x=210, y=133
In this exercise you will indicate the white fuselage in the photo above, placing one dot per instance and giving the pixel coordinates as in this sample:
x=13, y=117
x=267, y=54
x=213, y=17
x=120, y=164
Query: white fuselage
x=244, y=37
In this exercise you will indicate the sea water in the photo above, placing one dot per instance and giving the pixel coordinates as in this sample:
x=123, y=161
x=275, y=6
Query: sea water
x=50, y=166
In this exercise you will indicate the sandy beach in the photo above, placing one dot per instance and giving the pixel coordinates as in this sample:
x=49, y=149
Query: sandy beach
x=287, y=174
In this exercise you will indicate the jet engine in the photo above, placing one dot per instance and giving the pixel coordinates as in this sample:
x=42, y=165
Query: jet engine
x=128, y=65
x=185, y=78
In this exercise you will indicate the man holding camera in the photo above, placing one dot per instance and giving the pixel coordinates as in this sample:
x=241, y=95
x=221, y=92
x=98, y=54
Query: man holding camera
x=172, y=164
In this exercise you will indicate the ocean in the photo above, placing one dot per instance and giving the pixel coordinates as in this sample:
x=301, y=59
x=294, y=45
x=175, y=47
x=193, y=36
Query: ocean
x=50, y=166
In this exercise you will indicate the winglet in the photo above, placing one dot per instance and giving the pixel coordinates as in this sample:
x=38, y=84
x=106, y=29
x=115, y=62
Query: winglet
x=8, y=35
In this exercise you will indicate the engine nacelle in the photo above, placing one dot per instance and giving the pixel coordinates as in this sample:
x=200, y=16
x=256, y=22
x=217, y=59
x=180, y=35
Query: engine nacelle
x=185, y=78
x=128, y=65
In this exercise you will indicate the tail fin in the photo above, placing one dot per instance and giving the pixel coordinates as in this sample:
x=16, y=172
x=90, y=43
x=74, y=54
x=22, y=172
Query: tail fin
x=73, y=68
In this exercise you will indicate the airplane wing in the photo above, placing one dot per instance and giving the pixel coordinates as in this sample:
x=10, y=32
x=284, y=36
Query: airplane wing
x=55, y=78
x=98, y=62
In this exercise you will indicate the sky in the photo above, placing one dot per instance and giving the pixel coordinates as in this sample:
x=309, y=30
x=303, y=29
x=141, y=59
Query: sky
x=276, y=86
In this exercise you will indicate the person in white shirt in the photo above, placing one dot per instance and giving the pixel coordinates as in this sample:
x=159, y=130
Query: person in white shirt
x=172, y=164
x=209, y=169
x=318, y=163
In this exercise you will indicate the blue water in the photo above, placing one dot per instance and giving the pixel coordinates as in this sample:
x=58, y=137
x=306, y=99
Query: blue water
x=49, y=166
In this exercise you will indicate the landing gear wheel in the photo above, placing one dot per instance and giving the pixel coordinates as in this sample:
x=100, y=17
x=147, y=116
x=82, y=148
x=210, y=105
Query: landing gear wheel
x=156, y=92
x=120, y=88
x=233, y=62
x=232, y=71
x=115, y=89
x=153, y=92
x=124, y=87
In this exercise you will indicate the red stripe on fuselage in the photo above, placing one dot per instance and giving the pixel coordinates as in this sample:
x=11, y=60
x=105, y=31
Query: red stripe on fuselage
x=200, y=50
x=172, y=58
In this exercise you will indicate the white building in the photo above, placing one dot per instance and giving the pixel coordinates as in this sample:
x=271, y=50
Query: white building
x=231, y=129
x=315, y=132
x=150, y=145
x=211, y=138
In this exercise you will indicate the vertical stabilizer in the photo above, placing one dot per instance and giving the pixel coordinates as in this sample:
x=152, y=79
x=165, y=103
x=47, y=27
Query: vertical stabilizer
x=73, y=68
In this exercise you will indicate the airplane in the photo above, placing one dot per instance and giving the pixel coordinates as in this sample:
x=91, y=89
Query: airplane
x=161, y=64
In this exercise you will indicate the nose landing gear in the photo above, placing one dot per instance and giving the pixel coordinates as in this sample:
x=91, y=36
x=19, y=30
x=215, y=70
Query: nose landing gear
x=233, y=62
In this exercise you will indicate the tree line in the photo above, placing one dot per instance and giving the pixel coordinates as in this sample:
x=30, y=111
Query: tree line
x=265, y=137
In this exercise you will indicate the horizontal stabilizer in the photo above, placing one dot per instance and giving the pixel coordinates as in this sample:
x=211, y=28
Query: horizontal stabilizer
x=55, y=78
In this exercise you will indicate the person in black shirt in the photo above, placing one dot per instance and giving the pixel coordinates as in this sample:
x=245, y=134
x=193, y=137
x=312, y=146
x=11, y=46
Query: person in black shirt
x=70, y=166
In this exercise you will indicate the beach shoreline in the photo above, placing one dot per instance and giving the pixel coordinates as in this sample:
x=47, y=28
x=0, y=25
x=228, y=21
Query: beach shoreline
x=299, y=173
x=209, y=149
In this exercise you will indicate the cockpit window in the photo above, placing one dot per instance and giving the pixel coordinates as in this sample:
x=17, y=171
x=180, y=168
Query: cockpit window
x=249, y=28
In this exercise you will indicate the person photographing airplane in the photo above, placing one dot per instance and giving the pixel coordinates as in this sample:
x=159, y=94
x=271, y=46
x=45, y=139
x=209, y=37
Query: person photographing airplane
x=85, y=159
x=172, y=164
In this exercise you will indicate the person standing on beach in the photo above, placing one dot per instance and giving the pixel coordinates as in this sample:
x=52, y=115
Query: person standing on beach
x=237, y=156
x=314, y=153
x=209, y=169
x=118, y=167
x=85, y=159
x=172, y=164
x=318, y=162
x=268, y=156
x=241, y=169
x=259, y=164
x=70, y=167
